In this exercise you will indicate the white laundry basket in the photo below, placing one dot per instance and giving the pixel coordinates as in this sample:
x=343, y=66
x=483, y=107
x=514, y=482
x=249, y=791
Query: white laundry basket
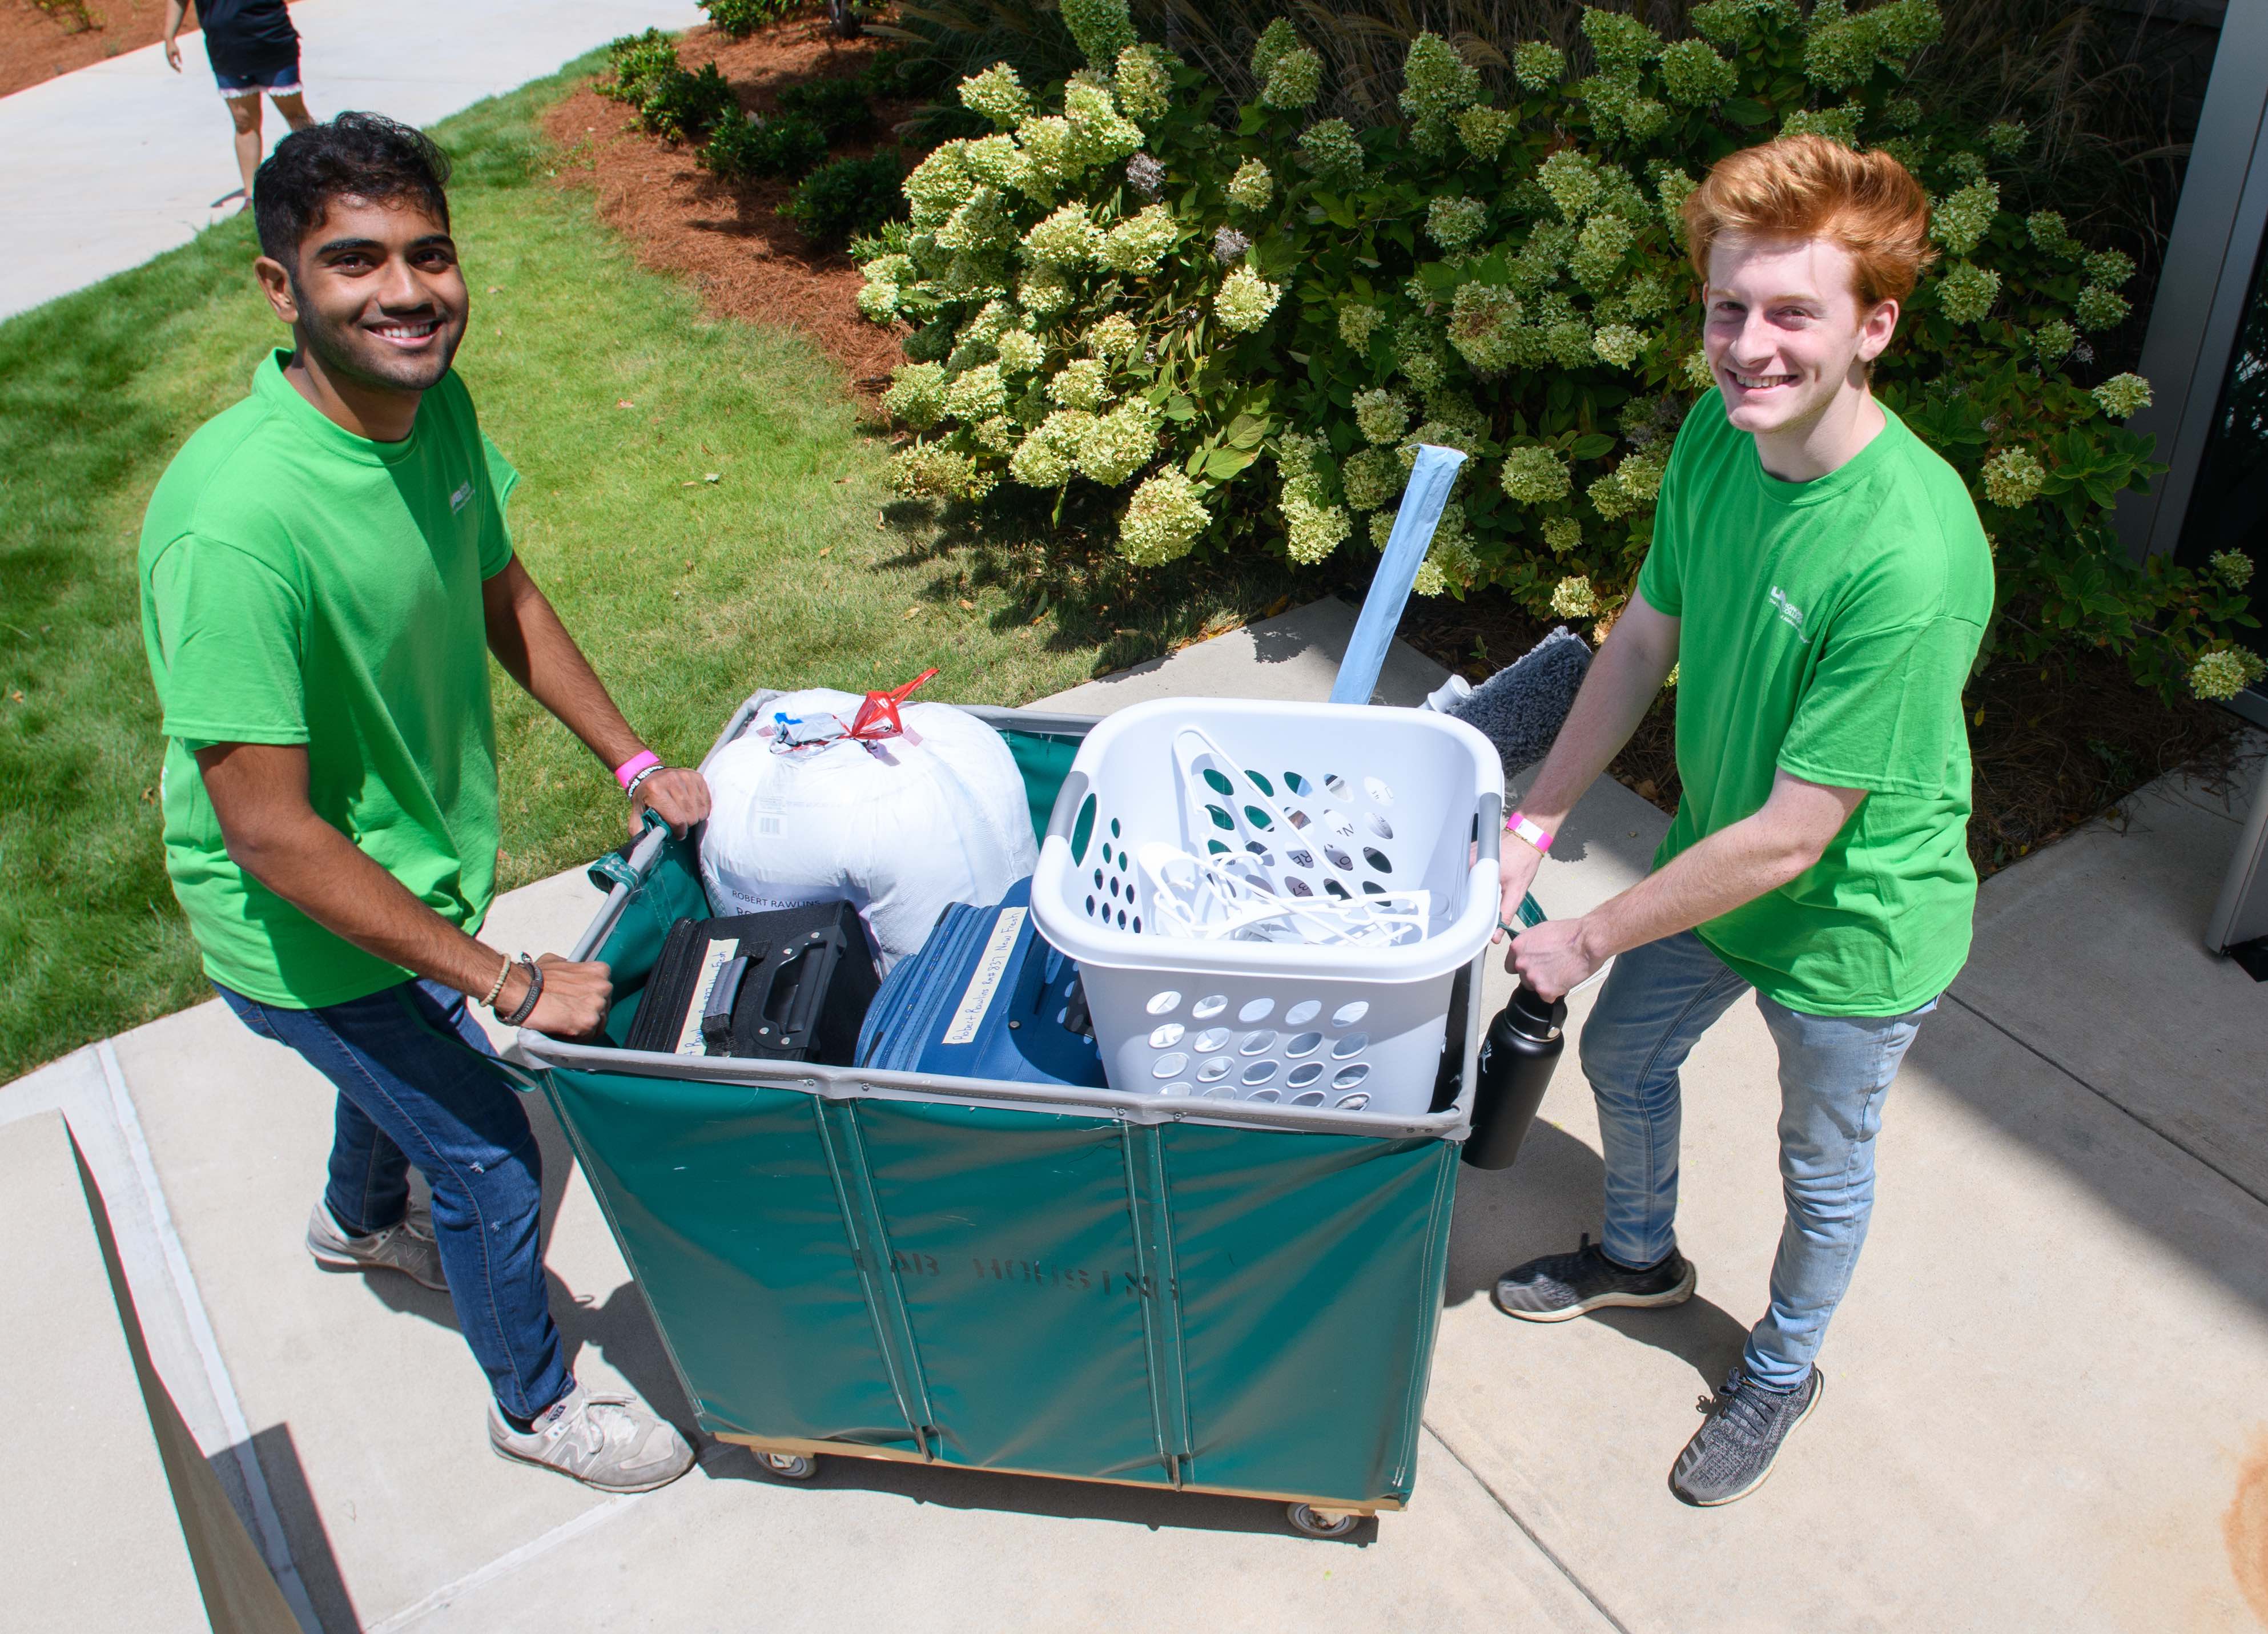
x=1377, y=800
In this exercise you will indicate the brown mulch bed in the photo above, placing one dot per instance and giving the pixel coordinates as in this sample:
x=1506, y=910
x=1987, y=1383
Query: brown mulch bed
x=2057, y=746
x=745, y=260
x=40, y=39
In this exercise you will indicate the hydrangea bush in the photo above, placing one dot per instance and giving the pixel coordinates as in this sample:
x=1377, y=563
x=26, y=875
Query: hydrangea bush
x=1234, y=325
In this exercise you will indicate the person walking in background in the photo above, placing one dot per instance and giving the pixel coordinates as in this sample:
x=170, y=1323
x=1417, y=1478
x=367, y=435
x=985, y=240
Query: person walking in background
x=254, y=53
x=1820, y=579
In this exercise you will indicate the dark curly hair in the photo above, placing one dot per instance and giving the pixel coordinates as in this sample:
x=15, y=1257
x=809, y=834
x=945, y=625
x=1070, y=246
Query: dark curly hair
x=363, y=155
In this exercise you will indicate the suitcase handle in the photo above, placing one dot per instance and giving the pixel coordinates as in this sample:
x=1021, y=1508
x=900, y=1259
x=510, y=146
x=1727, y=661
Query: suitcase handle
x=789, y=1000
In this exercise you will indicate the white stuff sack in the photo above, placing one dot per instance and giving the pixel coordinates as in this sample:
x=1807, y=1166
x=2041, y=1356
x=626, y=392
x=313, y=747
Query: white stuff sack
x=903, y=827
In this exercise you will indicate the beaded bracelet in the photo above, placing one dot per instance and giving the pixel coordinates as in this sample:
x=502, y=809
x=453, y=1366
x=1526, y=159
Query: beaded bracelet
x=496, y=986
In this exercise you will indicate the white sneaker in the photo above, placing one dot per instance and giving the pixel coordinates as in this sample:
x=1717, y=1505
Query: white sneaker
x=614, y=1443
x=407, y=1247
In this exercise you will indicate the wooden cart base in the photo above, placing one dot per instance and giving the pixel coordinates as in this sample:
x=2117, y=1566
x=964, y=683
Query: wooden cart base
x=1331, y=1516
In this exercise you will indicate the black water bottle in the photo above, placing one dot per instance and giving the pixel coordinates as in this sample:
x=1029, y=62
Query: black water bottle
x=1522, y=1046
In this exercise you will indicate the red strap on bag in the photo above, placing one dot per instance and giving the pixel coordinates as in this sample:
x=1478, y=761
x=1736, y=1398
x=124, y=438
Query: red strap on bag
x=878, y=715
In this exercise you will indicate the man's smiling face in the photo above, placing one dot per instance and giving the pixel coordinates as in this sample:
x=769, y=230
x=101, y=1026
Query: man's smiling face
x=1783, y=331
x=380, y=298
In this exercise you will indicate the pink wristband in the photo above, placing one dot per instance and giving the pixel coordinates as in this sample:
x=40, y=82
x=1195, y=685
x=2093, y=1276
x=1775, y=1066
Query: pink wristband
x=635, y=764
x=1520, y=825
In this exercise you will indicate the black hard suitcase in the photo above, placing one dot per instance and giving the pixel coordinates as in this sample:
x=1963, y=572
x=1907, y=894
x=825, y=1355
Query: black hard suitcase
x=790, y=984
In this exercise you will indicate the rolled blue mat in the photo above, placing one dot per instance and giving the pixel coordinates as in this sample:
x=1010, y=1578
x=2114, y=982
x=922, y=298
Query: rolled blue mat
x=1424, y=498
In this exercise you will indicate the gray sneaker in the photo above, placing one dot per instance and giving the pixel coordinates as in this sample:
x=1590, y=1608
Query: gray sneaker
x=1730, y=1455
x=406, y=1247
x=1558, y=1286
x=614, y=1443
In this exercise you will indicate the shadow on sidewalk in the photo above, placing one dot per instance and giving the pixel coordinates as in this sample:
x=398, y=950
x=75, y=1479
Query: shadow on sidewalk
x=308, y=1538
x=1541, y=1206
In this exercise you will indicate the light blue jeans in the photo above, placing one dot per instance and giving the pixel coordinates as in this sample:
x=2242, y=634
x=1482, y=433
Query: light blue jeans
x=1834, y=1071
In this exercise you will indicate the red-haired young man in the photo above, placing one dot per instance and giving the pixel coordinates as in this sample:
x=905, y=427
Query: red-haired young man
x=1820, y=582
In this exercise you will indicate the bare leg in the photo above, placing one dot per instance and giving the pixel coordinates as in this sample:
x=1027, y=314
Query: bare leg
x=292, y=105
x=244, y=112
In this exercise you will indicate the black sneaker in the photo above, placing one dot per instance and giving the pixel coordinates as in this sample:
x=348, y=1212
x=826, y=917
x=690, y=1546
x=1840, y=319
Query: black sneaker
x=1730, y=1455
x=1560, y=1285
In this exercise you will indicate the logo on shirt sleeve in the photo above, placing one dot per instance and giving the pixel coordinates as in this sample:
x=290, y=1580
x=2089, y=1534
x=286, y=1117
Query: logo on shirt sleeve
x=463, y=497
x=1789, y=615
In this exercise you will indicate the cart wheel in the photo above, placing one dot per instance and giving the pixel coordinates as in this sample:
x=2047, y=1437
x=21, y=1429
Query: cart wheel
x=789, y=1466
x=1308, y=1523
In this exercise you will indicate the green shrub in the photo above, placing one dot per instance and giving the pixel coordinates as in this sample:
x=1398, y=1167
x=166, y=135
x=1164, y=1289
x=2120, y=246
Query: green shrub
x=742, y=148
x=737, y=20
x=678, y=107
x=837, y=107
x=847, y=198
x=1255, y=321
x=635, y=62
x=895, y=74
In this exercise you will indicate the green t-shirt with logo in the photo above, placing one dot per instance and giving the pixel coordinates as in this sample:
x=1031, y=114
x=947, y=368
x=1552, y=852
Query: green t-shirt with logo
x=301, y=584
x=1826, y=629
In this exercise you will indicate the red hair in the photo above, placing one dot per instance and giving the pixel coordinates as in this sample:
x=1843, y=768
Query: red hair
x=1808, y=186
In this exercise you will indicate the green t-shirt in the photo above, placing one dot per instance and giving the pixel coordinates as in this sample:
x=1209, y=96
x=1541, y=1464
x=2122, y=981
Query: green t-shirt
x=303, y=585
x=1826, y=629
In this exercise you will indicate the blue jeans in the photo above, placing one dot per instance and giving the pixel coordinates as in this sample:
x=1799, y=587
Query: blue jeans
x=1834, y=1071
x=415, y=1086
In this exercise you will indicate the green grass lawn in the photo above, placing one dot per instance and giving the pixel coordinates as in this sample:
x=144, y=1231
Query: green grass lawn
x=687, y=594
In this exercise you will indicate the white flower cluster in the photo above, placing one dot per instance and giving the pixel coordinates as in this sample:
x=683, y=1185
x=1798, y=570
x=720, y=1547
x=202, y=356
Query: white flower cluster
x=1695, y=75
x=1437, y=84
x=1244, y=300
x=1967, y=291
x=1101, y=28
x=915, y=394
x=1295, y=80
x=1252, y=186
x=1534, y=476
x=1484, y=326
x=1314, y=527
x=1162, y=520
x=1454, y=223
x=2232, y=568
x=997, y=94
x=1358, y=321
x=1573, y=597
x=2224, y=671
x=1618, y=344
x=1331, y=151
x=1538, y=66
x=2052, y=342
x=1483, y=129
x=2123, y=395
x=1572, y=180
x=1381, y=415
x=2098, y=308
x=1369, y=478
x=1145, y=82
x=1137, y=244
x=2014, y=478
x=1961, y=221
x=933, y=470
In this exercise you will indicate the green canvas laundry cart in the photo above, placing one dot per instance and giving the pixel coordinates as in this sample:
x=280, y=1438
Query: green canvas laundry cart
x=1076, y=1283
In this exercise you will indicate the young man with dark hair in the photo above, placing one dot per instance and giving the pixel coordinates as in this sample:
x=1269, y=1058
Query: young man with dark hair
x=1819, y=581
x=325, y=571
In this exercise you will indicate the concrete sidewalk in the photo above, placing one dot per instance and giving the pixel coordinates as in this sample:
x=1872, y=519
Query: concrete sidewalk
x=124, y=158
x=2045, y=1411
